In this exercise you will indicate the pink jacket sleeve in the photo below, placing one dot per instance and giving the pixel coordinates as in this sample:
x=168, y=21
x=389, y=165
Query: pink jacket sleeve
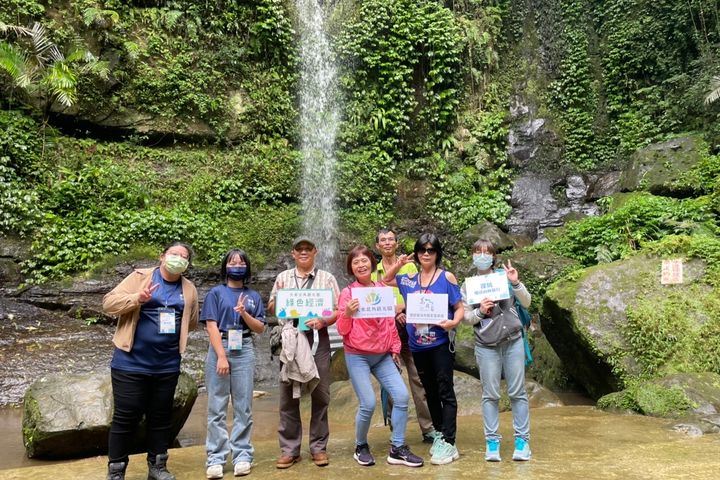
x=344, y=323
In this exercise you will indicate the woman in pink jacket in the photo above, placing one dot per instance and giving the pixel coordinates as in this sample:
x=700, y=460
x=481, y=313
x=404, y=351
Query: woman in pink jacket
x=372, y=346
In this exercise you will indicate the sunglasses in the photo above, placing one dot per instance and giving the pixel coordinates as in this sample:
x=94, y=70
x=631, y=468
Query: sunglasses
x=429, y=251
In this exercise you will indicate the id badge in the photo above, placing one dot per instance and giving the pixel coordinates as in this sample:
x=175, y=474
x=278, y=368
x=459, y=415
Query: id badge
x=167, y=320
x=235, y=339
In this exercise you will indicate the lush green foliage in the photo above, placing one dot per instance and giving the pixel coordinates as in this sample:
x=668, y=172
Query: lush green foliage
x=623, y=231
x=101, y=199
x=630, y=72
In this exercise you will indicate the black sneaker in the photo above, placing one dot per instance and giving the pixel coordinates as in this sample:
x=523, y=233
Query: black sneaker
x=363, y=456
x=403, y=456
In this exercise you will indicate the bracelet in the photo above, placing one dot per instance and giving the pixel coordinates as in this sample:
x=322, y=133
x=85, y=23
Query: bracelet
x=515, y=285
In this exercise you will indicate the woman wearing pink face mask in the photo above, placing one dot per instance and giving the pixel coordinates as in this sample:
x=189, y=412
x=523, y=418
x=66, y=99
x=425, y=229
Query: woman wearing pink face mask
x=156, y=308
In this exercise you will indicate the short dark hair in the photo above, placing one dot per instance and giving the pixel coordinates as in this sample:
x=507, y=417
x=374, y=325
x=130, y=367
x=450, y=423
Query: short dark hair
x=229, y=256
x=186, y=246
x=434, y=241
x=484, y=244
x=356, y=252
x=384, y=230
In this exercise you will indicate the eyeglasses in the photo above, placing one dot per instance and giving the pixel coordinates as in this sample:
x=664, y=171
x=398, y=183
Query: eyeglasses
x=429, y=251
x=304, y=249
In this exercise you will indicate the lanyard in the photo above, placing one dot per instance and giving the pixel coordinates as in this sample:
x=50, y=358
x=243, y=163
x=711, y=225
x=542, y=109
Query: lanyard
x=425, y=289
x=235, y=315
x=164, y=292
x=308, y=280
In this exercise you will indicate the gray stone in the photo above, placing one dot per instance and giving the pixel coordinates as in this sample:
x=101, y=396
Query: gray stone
x=69, y=416
x=655, y=167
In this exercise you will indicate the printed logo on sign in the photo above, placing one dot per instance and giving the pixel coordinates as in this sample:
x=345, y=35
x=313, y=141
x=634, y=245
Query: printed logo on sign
x=372, y=298
x=426, y=305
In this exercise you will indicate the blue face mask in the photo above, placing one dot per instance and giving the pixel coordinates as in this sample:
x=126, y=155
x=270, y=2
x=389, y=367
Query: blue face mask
x=236, y=273
x=482, y=261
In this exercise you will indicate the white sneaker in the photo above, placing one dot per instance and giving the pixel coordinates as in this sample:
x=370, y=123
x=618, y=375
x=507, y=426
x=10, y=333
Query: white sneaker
x=242, y=468
x=214, y=471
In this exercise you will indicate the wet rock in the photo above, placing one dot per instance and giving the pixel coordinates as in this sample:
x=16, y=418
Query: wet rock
x=541, y=201
x=655, y=167
x=69, y=416
x=531, y=144
x=603, y=185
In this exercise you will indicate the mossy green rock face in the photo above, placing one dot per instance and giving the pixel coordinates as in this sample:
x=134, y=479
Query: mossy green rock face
x=69, y=415
x=656, y=166
x=586, y=321
x=673, y=396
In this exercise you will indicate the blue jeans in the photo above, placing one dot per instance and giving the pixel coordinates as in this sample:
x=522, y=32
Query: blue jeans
x=239, y=385
x=384, y=369
x=508, y=357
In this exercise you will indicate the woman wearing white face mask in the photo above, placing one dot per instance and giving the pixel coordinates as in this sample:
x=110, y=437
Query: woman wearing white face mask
x=156, y=308
x=499, y=348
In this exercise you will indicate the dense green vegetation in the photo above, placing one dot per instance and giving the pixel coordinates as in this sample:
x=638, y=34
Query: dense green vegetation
x=189, y=118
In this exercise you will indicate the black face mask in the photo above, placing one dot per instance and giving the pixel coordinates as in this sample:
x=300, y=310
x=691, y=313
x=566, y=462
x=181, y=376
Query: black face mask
x=236, y=273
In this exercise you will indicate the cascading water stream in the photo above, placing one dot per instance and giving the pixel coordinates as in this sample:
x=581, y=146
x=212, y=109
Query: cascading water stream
x=319, y=120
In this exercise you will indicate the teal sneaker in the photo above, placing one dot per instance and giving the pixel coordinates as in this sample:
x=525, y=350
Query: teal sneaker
x=492, y=450
x=436, y=438
x=522, y=450
x=444, y=453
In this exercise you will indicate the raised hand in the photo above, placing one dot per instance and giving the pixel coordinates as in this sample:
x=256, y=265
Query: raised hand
x=511, y=273
x=240, y=307
x=146, y=293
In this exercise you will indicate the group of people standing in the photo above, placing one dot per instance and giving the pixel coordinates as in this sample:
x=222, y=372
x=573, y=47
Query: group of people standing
x=156, y=308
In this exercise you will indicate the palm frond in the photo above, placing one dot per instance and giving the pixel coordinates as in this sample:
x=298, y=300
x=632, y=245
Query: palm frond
x=714, y=93
x=43, y=48
x=17, y=30
x=61, y=82
x=14, y=62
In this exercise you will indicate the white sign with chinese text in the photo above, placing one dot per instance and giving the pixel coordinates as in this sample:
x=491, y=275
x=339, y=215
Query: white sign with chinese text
x=304, y=302
x=427, y=307
x=493, y=286
x=672, y=272
x=374, y=302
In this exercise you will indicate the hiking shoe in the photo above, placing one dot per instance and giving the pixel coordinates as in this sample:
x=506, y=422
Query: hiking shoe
x=287, y=461
x=214, y=471
x=444, y=453
x=436, y=441
x=363, y=456
x=403, y=456
x=429, y=437
x=492, y=450
x=522, y=450
x=242, y=468
x=320, y=459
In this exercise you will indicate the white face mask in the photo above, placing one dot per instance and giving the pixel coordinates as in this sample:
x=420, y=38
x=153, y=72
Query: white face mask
x=175, y=264
x=482, y=261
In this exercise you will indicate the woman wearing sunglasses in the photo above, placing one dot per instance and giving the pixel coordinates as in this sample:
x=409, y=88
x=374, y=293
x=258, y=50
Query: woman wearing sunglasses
x=432, y=345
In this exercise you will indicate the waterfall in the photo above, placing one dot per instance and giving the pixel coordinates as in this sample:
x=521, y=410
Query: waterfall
x=319, y=120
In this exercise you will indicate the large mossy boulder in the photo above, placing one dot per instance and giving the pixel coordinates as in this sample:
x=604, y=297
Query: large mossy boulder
x=69, y=416
x=616, y=322
x=656, y=167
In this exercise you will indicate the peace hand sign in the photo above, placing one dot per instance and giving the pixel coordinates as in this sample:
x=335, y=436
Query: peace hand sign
x=511, y=273
x=146, y=293
x=240, y=307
